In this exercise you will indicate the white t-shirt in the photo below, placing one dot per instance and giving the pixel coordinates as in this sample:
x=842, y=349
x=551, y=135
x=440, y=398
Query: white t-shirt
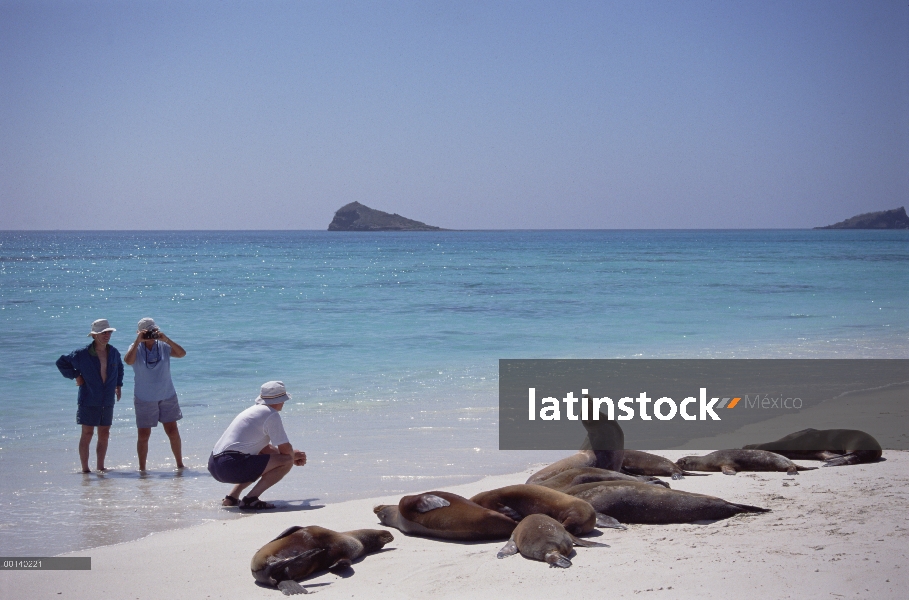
x=252, y=430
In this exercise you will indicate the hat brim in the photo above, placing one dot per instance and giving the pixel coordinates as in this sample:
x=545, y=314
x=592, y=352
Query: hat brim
x=94, y=333
x=277, y=400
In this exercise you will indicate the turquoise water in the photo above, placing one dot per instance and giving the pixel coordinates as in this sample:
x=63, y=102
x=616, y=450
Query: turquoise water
x=389, y=345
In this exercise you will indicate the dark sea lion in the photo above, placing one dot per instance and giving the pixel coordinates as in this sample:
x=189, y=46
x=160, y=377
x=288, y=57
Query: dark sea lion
x=447, y=516
x=732, y=461
x=572, y=477
x=633, y=502
x=607, y=441
x=543, y=538
x=522, y=500
x=301, y=551
x=636, y=462
x=836, y=447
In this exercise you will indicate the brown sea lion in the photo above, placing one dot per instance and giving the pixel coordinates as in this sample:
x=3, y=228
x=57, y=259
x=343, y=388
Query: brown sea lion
x=572, y=477
x=447, y=516
x=836, y=447
x=636, y=462
x=522, y=500
x=633, y=502
x=541, y=537
x=300, y=551
x=731, y=461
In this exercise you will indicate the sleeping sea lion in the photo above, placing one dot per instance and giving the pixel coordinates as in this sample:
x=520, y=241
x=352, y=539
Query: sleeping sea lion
x=522, y=500
x=636, y=462
x=731, y=461
x=301, y=551
x=543, y=538
x=633, y=502
x=447, y=516
x=572, y=477
x=836, y=447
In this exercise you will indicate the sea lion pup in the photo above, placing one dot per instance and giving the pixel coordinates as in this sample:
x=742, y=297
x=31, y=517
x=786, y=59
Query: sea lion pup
x=836, y=447
x=633, y=502
x=541, y=537
x=445, y=515
x=301, y=551
x=731, y=461
x=636, y=462
x=572, y=477
x=522, y=500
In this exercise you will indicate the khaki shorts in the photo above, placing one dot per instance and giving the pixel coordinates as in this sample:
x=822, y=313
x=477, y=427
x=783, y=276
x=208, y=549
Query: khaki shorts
x=149, y=414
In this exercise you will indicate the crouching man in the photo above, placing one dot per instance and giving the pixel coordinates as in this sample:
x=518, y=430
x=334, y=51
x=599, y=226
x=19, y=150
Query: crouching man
x=253, y=447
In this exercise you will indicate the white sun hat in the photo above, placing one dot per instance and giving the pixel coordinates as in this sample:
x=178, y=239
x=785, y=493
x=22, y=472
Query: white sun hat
x=272, y=392
x=100, y=326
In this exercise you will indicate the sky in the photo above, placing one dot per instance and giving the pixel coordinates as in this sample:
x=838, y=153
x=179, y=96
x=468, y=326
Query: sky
x=464, y=115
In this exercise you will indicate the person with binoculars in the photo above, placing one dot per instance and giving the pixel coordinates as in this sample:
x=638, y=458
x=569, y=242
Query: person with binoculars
x=155, y=398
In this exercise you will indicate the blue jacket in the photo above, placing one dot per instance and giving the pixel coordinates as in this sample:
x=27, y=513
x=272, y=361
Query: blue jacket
x=84, y=361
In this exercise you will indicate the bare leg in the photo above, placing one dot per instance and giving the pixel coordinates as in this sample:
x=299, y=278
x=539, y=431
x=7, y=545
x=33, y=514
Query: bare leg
x=175, y=444
x=279, y=465
x=142, y=446
x=84, y=442
x=101, y=448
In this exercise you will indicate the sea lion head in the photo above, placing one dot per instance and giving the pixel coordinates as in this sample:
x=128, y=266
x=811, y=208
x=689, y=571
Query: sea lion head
x=387, y=513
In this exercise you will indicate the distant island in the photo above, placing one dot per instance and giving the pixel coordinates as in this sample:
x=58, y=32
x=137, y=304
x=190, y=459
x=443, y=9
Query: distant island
x=359, y=217
x=885, y=219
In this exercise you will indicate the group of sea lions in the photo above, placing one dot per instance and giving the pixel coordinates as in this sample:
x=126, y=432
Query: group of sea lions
x=543, y=517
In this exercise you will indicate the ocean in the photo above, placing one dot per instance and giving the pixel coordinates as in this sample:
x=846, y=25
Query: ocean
x=389, y=344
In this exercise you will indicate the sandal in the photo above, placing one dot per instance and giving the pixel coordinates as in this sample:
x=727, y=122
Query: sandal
x=253, y=503
x=229, y=501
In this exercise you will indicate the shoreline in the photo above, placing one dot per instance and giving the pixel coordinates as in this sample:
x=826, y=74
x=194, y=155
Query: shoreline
x=832, y=532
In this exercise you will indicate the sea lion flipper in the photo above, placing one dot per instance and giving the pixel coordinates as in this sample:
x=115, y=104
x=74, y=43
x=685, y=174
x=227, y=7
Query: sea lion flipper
x=609, y=522
x=586, y=543
x=428, y=502
x=508, y=549
x=557, y=560
x=341, y=565
x=678, y=476
x=287, y=532
x=840, y=461
x=510, y=513
x=282, y=569
x=727, y=470
x=289, y=587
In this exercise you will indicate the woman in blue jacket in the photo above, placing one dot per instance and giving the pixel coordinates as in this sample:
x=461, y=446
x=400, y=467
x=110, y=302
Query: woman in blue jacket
x=98, y=371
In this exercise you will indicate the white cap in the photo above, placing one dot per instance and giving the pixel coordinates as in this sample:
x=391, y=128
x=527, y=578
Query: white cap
x=146, y=324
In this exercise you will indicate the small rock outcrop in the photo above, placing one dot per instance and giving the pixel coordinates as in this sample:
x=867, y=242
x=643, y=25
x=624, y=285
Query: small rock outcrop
x=358, y=217
x=885, y=219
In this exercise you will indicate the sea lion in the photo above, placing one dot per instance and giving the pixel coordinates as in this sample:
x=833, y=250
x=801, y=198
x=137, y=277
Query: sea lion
x=447, y=516
x=731, y=461
x=522, y=500
x=541, y=537
x=301, y=551
x=836, y=447
x=633, y=502
x=572, y=477
x=636, y=462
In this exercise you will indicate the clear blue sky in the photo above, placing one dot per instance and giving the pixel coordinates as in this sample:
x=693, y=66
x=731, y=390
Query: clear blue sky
x=272, y=115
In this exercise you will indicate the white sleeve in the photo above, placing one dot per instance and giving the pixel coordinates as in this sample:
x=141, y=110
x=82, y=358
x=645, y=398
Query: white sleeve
x=274, y=428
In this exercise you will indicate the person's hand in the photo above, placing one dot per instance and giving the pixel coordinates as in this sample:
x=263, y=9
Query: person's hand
x=299, y=458
x=118, y=394
x=79, y=381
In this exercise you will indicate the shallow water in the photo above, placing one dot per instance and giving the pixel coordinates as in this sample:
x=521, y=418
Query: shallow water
x=389, y=344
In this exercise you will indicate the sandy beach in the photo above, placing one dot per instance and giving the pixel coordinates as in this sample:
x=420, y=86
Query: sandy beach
x=832, y=533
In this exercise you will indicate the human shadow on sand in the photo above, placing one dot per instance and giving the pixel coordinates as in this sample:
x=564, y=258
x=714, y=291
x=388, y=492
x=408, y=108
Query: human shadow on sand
x=281, y=506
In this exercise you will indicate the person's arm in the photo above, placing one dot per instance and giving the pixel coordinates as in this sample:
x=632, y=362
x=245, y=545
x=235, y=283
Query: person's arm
x=119, y=376
x=67, y=368
x=299, y=456
x=176, y=350
x=130, y=357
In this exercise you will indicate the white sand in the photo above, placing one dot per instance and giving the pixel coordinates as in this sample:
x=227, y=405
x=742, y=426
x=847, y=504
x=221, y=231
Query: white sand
x=834, y=533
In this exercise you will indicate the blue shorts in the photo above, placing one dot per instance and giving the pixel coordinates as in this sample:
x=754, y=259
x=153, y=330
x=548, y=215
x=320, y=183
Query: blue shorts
x=237, y=467
x=95, y=416
x=149, y=414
